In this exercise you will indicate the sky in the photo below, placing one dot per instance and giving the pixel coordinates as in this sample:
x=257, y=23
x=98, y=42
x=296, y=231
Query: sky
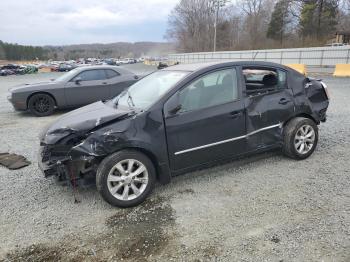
x=63, y=22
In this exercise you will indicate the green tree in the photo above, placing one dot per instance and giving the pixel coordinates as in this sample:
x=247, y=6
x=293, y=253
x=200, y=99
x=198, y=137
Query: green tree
x=279, y=21
x=20, y=52
x=318, y=18
x=2, y=51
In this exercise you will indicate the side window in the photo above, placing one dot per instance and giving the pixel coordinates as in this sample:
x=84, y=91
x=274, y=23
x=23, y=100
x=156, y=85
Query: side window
x=262, y=80
x=91, y=75
x=215, y=88
x=111, y=73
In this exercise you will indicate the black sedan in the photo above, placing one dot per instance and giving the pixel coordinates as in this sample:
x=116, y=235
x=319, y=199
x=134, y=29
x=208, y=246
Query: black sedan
x=78, y=87
x=182, y=118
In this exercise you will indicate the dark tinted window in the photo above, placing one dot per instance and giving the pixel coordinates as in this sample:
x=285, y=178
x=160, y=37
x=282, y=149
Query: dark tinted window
x=111, y=73
x=215, y=88
x=91, y=75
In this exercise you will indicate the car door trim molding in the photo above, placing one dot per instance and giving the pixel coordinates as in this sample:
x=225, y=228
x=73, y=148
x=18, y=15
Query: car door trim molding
x=228, y=140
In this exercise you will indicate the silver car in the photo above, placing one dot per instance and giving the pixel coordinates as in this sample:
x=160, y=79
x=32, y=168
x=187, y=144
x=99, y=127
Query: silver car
x=81, y=86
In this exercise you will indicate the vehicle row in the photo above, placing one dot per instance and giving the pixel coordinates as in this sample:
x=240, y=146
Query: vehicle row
x=12, y=69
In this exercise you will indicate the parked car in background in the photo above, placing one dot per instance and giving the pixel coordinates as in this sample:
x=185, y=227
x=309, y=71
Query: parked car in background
x=337, y=44
x=12, y=69
x=162, y=65
x=65, y=67
x=78, y=87
x=182, y=118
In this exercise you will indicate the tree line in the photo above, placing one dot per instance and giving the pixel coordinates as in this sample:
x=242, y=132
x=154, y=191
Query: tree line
x=256, y=24
x=21, y=52
x=116, y=50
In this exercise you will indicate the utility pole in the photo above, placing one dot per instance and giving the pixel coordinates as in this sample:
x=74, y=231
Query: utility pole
x=219, y=3
x=216, y=22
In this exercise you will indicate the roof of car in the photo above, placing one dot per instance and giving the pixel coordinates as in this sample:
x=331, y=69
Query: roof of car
x=198, y=66
x=116, y=68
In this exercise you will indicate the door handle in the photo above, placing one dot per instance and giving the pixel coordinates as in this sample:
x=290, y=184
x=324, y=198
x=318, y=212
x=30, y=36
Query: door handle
x=104, y=83
x=235, y=114
x=283, y=101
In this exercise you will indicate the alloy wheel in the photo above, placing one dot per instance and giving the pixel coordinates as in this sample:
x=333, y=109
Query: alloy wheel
x=127, y=179
x=304, y=139
x=42, y=105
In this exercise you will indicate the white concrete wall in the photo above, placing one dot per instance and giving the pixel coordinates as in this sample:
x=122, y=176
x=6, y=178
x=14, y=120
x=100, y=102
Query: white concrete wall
x=314, y=56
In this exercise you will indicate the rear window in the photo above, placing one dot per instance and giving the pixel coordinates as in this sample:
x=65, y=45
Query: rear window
x=111, y=73
x=91, y=75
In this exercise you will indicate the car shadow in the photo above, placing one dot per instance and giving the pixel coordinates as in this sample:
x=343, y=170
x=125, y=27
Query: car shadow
x=89, y=190
x=215, y=170
x=56, y=113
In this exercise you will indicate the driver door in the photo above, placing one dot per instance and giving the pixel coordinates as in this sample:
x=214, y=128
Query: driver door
x=92, y=86
x=211, y=122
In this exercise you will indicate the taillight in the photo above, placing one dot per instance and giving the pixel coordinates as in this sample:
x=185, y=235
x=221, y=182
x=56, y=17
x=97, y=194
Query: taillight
x=325, y=88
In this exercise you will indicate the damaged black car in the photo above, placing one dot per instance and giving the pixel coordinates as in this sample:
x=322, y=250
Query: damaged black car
x=182, y=118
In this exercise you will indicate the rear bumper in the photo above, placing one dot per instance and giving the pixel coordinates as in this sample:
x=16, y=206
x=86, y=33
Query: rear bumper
x=323, y=115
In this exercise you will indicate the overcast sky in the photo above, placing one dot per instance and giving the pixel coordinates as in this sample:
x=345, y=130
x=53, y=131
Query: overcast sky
x=60, y=22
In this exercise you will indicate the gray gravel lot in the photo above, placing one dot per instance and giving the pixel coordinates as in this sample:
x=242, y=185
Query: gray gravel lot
x=262, y=208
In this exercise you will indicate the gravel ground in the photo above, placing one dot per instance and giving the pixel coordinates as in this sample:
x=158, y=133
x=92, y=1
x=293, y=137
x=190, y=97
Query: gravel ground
x=262, y=208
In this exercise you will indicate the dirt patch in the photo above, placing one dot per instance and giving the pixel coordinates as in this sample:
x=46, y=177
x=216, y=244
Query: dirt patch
x=186, y=191
x=145, y=228
x=133, y=234
x=39, y=253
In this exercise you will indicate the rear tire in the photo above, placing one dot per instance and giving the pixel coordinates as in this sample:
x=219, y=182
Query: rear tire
x=41, y=105
x=125, y=178
x=300, y=138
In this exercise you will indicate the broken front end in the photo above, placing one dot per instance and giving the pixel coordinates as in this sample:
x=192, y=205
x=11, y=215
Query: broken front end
x=67, y=162
x=73, y=146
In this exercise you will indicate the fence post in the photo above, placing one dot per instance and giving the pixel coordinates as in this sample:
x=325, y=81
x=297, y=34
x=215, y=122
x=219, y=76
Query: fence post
x=347, y=58
x=300, y=56
x=321, y=61
x=281, y=57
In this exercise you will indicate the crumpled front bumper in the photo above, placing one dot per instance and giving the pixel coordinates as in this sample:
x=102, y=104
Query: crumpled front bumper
x=66, y=164
x=52, y=165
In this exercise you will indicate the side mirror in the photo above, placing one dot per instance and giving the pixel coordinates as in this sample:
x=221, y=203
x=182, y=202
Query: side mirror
x=77, y=80
x=172, y=106
x=175, y=110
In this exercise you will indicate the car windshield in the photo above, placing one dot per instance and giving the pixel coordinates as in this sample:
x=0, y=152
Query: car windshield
x=149, y=89
x=67, y=76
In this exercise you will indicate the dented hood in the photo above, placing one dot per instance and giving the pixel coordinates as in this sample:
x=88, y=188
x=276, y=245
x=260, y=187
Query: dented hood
x=83, y=120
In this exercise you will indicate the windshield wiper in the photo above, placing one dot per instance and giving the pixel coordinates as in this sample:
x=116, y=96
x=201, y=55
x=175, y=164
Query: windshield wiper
x=130, y=99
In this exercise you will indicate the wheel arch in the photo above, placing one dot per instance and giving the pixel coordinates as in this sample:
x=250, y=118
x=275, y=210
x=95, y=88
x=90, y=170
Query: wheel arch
x=162, y=172
x=301, y=115
x=38, y=93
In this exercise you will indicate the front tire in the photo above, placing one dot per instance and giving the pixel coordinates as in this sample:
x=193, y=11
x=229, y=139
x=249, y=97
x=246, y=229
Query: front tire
x=300, y=138
x=41, y=105
x=125, y=178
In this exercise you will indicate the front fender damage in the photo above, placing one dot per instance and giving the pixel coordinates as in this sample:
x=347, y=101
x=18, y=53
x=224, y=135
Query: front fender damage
x=79, y=161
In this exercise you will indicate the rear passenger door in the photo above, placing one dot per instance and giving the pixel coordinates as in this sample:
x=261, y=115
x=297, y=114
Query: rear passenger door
x=269, y=102
x=91, y=87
